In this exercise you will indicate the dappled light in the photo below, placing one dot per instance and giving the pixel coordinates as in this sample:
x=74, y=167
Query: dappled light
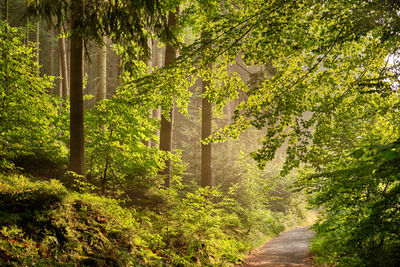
x=199, y=133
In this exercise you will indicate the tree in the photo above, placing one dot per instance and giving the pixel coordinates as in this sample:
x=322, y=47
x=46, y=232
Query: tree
x=148, y=61
x=6, y=11
x=166, y=122
x=77, y=141
x=51, y=56
x=63, y=64
x=130, y=21
x=101, y=72
x=332, y=100
x=206, y=131
x=157, y=63
x=37, y=41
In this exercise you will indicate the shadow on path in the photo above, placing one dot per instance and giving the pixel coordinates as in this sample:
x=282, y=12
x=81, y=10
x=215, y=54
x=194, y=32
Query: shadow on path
x=289, y=249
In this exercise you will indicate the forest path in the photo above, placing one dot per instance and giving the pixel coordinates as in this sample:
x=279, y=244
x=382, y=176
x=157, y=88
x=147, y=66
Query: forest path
x=289, y=249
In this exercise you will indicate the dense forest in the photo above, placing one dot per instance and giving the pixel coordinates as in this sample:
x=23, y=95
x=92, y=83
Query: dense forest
x=186, y=133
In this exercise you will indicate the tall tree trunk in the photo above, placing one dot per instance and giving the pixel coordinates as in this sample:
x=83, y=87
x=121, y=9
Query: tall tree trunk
x=51, y=58
x=229, y=113
x=149, y=63
x=206, y=149
x=166, y=126
x=5, y=49
x=157, y=62
x=26, y=23
x=60, y=81
x=6, y=13
x=120, y=69
x=229, y=105
x=37, y=40
x=63, y=65
x=77, y=141
x=67, y=43
x=156, y=55
x=101, y=72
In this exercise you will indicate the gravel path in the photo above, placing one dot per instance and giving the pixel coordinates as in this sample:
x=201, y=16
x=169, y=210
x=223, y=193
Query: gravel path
x=289, y=249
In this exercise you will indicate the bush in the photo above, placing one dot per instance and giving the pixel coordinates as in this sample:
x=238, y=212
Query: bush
x=29, y=120
x=42, y=223
x=360, y=195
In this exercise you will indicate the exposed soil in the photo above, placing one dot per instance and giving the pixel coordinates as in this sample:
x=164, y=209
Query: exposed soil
x=289, y=249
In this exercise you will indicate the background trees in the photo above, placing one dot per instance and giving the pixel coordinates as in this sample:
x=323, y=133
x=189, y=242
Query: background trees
x=314, y=80
x=97, y=21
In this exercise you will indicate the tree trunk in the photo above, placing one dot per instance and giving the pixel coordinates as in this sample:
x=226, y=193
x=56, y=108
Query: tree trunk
x=63, y=65
x=37, y=40
x=101, y=72
x=77, y=142
x=166, y=126
x=157, y=63
x=156, y=55
x=120, y=69
x=67, y=43
x=51, y=56
x=149, y=63
x=206, y=150
x=26, y=23
x=6, y=14
x=166, y=145
x=51, y=60
x=60, y=81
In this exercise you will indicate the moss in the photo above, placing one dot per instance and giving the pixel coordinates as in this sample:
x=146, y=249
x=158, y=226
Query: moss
x=42, y=222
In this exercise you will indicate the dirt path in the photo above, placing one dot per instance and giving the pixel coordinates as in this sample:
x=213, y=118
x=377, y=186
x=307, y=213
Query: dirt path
x=289, y=249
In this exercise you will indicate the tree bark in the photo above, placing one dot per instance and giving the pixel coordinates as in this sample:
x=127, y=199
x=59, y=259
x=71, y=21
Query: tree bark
x=157, y=63
x=6, y=14
x=206, y=128
x=166, y=145
x=157, y=57
x=26, y=23
x=37, y=40
x=101, y=72
x=60, y=81
x=149, y=63
x=166, y=126
x=51, y=56
x=51, y=60
x=63, y=65
x=77, y=142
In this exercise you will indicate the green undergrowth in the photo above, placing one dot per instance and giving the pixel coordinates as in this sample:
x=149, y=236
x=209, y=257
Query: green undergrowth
x=44, y=224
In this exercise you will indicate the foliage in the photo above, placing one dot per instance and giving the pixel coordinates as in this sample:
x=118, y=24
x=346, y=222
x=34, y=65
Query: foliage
x=321, y=56
x=116, y=155
x=264, y=200
x=29, y=120
x=353, y=174
x=123, y=21
x=333, y=92
x=43, y=223
x=360, y=195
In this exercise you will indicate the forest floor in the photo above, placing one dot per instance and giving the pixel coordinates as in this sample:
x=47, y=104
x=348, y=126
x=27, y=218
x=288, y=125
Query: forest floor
x=289, y=249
